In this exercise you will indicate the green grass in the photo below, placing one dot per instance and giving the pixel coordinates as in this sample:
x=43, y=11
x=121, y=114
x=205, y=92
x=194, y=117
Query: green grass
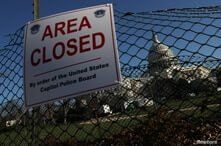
x=88, y=132
x=191, y=102
x=176, y=104
x=91, y=131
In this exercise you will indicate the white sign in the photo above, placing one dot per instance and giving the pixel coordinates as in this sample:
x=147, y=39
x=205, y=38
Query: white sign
x=70, y=54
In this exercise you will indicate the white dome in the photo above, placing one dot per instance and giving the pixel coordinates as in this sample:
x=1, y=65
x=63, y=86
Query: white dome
x=160, y=58
x=159, y=52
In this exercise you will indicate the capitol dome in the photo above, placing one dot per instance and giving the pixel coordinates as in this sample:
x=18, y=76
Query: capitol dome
x=160, y=56
x=159, y=51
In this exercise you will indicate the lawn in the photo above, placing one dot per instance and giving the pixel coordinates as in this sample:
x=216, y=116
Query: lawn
x=191, y=102
x=107, y=126
x=80, y=131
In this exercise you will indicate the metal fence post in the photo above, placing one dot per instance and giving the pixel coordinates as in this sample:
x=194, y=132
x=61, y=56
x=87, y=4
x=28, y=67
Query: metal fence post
x=35, y=109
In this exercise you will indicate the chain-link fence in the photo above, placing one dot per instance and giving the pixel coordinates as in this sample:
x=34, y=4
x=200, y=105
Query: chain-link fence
x=170, y=93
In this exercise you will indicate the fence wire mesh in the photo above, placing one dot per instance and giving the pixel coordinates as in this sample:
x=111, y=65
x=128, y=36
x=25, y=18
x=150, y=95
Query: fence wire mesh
x=170, y=93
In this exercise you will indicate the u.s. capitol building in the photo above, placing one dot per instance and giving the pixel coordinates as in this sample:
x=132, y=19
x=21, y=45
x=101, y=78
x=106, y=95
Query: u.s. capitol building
x=162, y=64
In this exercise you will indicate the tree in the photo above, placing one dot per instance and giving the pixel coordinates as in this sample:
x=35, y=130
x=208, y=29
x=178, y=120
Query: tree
x=65, y=109
x=202, y=86
x=218, y=76
x=49, y=112
x=163, y=88
x=12, y=109
x=182, y=88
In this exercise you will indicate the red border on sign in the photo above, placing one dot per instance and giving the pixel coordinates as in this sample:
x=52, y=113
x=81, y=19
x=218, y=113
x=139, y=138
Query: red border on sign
x=117, y=71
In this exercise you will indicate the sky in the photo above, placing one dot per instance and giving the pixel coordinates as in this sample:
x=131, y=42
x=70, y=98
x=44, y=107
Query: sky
x=15, y=13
